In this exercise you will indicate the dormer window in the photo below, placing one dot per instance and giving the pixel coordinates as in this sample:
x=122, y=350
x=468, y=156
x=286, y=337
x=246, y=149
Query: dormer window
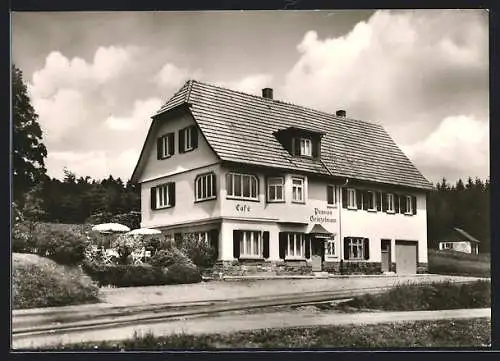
x=300, y=142
x=305, y=147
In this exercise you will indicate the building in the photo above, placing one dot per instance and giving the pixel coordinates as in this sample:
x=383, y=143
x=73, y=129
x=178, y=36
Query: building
x=279, y=187
x=460, y=241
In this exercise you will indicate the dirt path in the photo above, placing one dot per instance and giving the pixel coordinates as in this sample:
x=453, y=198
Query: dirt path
x=233, y=323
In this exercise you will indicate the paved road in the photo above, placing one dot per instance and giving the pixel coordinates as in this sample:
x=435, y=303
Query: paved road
x=232, y=323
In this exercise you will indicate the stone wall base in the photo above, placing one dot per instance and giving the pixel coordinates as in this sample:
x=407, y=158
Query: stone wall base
x=280, y=268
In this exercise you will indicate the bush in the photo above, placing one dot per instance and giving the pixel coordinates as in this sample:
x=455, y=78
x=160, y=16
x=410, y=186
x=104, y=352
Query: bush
x=199, y=251
x=65, y=245
x=183, y=273
x=168, y=257
x=131, y=219
x=141, y=275
x=40, y=282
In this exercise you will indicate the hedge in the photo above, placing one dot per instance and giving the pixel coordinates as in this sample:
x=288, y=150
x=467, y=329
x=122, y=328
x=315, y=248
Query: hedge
x=141, y=275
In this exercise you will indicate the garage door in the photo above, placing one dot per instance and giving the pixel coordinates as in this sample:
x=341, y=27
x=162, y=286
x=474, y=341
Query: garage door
x=406, y=257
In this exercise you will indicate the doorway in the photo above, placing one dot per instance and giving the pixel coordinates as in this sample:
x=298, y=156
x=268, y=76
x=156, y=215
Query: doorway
x=317, y=254
x=385, y=248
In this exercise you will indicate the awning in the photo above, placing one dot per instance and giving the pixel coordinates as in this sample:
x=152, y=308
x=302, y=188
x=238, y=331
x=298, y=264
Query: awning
x=319, y=231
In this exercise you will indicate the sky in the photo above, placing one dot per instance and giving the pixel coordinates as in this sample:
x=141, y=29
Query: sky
x=96, y=78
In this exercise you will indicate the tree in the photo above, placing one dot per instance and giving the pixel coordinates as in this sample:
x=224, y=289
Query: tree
x=28, y=150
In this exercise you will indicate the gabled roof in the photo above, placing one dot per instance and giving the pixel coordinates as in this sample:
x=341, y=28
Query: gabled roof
x=319, y=229
x=240, y=128
x=458, y=234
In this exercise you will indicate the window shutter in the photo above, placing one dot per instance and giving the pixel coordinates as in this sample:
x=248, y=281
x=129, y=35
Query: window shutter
x=171, y=193
x=153, y=197
x=282, y=244
x=315, y=148
x=308, y=247
x=359, y=199
x=214, y=241
x=181, y=140
x=171, y=144
x=265, y=246
x=414, y=205
x=366, y=248
x=236, y=243
x=402, y=204
x=159, y=147
x=194, y=137
x=384, y=202
x=379, y=200
x=366, y=199
x=344, y=198
x=396, y=203
x=296, y=148
x=346, y=247
x=329, y=194
x=214, y=185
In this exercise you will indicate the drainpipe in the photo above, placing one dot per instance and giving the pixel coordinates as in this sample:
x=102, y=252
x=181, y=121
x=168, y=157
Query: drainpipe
x=341, y=250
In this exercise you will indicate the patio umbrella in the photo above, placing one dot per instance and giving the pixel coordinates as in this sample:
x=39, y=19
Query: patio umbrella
x=110, y=228
x=144, y=231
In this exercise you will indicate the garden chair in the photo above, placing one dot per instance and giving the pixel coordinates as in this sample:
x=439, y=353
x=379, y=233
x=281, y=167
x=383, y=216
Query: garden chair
x=138, y=256
x=108, y=255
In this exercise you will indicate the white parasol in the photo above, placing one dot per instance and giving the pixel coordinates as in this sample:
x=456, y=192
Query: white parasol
x=144, y=231
x=110, y=228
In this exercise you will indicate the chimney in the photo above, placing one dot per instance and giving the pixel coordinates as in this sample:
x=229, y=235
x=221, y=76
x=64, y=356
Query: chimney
x=340, y=113
x=267, y=93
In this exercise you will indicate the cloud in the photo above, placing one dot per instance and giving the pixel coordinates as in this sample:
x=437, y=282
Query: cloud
x=142, y=111
x=86, y=107
x=172, y=76
x=252, y=84
x=403, y=69
x=396, y=67
x=459, y=146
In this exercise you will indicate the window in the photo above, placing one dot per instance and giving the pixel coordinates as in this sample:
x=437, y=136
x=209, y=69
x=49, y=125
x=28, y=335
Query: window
x=305, y=147
x=275, y=188
x=165, y=146
x=409, y=207
x=200, y=236
x=296, y=246
x=351, y=198
x=205, y=187
x=298, y=190
x=188, y=139
x=390, y=202
x=163, y=196
x=356, y=248
x=331, y=196
x=330, y=249
x=371, y=201
x=251, y=244
x=242, y=186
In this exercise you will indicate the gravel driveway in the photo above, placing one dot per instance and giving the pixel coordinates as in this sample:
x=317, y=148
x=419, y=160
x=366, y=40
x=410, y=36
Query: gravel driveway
x=225, y=290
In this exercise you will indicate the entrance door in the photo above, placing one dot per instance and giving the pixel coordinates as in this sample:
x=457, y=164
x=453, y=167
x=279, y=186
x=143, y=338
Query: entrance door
x=406, y=257
x=317, y=254
x=386, y=255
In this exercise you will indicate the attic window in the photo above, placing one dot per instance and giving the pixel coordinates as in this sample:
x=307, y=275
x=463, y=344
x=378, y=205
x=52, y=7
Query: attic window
x=305, y=147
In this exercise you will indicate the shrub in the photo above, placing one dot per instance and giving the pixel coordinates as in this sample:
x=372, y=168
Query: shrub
x=131, y=219
x=141, y=275
x=168, y=257
x=199, y=251
x=40, y=282
x=183, y=273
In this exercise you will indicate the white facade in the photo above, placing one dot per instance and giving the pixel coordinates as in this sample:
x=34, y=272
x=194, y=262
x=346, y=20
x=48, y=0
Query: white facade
x=461, y=246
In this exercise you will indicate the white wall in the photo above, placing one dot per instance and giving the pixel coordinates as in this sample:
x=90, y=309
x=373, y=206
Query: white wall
x=379, y=225
x=179, y=162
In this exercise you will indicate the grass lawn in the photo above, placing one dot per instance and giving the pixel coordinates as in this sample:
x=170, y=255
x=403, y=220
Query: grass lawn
x=443, y=333
x=416, y=297
x=458, y=263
